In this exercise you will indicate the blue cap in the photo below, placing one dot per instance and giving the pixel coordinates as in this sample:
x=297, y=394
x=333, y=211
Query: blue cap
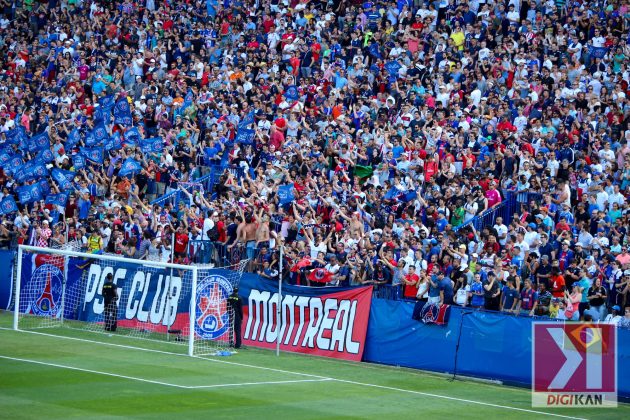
x=532, y=225
x=616, y=308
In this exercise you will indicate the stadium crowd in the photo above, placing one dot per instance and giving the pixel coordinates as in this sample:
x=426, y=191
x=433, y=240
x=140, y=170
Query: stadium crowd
x=362, y=137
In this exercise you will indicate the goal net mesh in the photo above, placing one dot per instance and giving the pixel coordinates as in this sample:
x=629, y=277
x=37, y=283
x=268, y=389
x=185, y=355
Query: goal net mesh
x=153, y=303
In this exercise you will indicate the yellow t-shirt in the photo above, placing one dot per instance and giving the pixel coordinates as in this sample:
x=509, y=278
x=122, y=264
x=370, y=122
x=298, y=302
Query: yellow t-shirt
x=458, y=39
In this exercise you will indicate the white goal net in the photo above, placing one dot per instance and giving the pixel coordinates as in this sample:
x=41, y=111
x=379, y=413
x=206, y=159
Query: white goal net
x=183, y=304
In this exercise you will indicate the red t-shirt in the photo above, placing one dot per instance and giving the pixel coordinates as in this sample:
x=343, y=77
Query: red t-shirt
x=181, y=242
x=557, y=286
x=410, y=291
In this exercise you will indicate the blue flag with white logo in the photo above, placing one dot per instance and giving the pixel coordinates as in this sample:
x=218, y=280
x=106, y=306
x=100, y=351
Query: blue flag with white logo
x=45, y=156
x=245, y=136
x=59, y=199
x=29, y=193
x=8, y=205
x=5, y=157
x=16, y=136
x=130, y=166
x=30, y=170
x=122, y=112
x=392, y=194
x=97, y=136
x=153, y=145
x=285, y=194
x=374, y=50
x=114, y=142
x=247, y=120
x=78, y=161
x=107, y=101
x=38, y=142
x=74, y=137
x=188, y=99
x=44, y=187
x=291, y=93
x=13, y=164
x=63, y=178
x=392, y=68
x=95, y=154
x=597, y=52
x=103, y=114
x=133, y=136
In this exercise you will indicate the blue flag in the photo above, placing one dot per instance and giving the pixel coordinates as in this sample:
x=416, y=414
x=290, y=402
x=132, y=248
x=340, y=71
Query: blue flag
x=97, y=136
x=188, y=99
x=44, y=187
x=133, y=136
x=392, y=194
x=95, y=154
x=74, y=137
x=247, y=120
x=597, y=52
x=63, y=178
x=103, y=114
x=154, y=145
x=374, y=50
x=130, y=166
x=5, y=157
x=29, y=193
x=114, y=142
x=78, y=161
x=45, y=156
x=59, y=199
x=30, y=170
x=8, y=205
x=38, y=142
x=285, y=194
x=291, y=93
x=107, y=101
x=122, y=112
x=392, y=68
x=16, y=136
x=13, y=164
x=245, y=136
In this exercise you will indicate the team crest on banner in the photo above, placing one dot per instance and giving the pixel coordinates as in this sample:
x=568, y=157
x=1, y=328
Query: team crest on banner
x=45, y=287
x=211, y=313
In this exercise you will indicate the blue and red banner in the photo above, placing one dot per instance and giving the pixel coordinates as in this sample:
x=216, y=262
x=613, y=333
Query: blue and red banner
x=330, y=321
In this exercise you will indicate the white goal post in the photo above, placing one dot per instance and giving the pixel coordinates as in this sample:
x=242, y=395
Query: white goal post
x=182, y=304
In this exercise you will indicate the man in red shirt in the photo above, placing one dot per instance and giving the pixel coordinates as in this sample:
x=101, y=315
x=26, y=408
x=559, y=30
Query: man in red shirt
x=181, y=242
x=557, y=283
x=411, y=283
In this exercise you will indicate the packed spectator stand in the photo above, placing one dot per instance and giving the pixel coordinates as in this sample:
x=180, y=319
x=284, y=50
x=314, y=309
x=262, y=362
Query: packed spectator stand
x=470, y=153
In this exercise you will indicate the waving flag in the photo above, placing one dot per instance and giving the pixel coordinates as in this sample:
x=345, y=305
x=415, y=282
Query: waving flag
x=247, y=120
x=97, y=136
x=188, y=99
x=133, y=136
x=303, y=263
x=154, y=145
x=63, y=178
x=95, y=154
x=597, y=52
x=13, y=164
x=78, y=161
x=374, y=50
x=38, y=142
x=107, y=101
x=8, y=205
x=16, y=136
x=5, y=156
x=245, y=136
x=392, y=194
x=29, y=193
x=285, y=194
x=114, y=142
x=130, y=166
x=45, y=156
x=59, y=199
x=392, y=68
x=103, y=114
x=44, y=187
x=122, y=112
x=31, y=170
x=74, y=137
x=320, y=275
x=291, y=93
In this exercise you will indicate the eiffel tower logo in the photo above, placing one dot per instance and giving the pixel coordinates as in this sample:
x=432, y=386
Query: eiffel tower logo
x=45, y=301
x=212, y=305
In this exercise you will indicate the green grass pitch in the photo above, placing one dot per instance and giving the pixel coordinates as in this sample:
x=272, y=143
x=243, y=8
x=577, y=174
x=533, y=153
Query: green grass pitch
x=59, y=373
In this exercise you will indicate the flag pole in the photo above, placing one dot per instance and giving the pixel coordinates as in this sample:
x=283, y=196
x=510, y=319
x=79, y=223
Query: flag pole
x=279, y=306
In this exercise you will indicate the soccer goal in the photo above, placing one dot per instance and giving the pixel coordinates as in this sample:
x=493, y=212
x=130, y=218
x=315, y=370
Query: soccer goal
x=182, y=304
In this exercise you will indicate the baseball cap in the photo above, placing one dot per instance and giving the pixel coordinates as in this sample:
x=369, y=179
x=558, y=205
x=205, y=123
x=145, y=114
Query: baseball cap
x=616, y=308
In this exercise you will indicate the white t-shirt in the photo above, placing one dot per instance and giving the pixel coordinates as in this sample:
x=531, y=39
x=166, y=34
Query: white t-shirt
x=317, y=249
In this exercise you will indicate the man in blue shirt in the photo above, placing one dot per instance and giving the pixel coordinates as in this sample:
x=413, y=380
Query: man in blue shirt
x=446, y=290
x=509, y=298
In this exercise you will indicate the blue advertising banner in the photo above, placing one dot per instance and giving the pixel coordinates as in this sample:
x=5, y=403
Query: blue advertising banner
x=6, y=278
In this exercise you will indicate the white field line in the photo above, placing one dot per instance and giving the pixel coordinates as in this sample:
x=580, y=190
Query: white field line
x=444, y=397
x=133, y=378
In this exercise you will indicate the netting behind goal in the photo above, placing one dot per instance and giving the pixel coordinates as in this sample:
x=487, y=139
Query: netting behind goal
x=156, y=301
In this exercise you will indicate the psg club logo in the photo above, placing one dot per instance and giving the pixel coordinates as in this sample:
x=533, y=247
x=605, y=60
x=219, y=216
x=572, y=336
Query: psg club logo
x=46, y=287
x=211, y=315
